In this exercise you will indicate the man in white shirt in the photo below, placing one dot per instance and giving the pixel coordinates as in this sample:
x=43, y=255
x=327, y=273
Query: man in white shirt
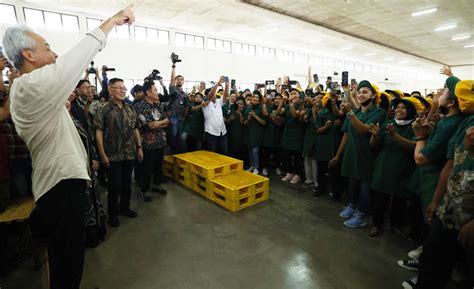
x=214, y=125
x=60, y=166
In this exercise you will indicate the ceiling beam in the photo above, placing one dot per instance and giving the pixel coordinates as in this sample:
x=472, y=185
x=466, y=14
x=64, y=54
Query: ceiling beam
x=288, y=13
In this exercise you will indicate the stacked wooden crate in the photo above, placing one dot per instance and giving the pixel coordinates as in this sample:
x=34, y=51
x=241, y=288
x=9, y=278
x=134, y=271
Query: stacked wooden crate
x=219, y=178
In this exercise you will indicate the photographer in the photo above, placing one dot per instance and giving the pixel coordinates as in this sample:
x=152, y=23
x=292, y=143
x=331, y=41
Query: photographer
x=178, y=102
x=59, y=158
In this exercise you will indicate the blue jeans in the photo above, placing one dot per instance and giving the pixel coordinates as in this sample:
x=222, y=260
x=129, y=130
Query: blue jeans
x=176, y=127
x=254, y=157
x=217, y=144
x=359, y=195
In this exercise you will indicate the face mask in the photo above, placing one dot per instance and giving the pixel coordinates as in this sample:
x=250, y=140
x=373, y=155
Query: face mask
x=366, y=103
x=403, y=122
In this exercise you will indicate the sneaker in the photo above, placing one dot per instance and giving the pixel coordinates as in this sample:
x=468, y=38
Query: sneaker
x=287, y=177
x=128, y=213
x=113, y=221
x=159, y=190
x=357, y=220
x=264, y=172
x=278, y=171
x=249, y=169
x=347, y=212
x=410, y=283
x=255, y=171
x=296, y=179
x=415, y=254
x=146, y=197
x=410, y=265
x=307, y=184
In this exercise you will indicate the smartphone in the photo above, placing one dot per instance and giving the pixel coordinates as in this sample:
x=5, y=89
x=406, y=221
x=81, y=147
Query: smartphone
x=269, y=82
x=232, y=82
x=345, y=78
x=329, y=79
x=315, y=78
x=226, y=79
x=292, y=82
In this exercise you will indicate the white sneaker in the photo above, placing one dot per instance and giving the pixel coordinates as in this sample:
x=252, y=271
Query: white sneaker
x=264, y=172
x=410, y=283
x=296, y=179
x=249, y=169
x=278, y=171
x=415, y=254
x=255, y=171
x=287, y=177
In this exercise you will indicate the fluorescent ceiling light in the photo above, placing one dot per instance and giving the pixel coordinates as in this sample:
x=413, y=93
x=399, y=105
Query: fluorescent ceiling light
x=446, y=27
x=388, y=58
x=469, y=46
x=347, y=48
x=456, y=38
x=370, y=54
x=428, y=11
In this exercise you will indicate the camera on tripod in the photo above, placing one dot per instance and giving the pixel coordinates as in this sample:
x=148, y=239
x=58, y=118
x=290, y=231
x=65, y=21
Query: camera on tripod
x=154, y=75
x=175, y=58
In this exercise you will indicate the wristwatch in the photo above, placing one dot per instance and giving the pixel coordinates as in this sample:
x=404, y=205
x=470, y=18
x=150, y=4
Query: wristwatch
x=349, y=114
x=421, y=138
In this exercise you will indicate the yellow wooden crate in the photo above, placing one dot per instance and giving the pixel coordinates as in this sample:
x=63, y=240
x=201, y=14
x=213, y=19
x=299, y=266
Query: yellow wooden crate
x=208, y=164
x=239, y=185
x=183, y=176
x=201, y=185
x=242, y=203
x=168, y=165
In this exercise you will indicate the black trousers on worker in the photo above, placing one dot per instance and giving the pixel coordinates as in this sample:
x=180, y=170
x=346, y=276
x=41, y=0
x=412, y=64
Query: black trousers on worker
x=59, y=221
x=120, y=186
x=152, y=168
x=381, y=203
x=440, y=250
x=295, y=166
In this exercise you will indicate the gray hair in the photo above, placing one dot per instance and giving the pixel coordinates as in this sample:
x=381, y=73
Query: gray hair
x=16, y=39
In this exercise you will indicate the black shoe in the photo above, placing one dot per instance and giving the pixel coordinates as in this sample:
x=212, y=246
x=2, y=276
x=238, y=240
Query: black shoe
x=146, y=197
x=159, y=191
x=375, y=232
x=113, y=221
x=128, y=213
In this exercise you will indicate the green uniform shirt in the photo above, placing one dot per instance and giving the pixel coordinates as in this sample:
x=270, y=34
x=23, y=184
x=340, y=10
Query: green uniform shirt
x=394, y=164
x=292, y=136
x=254, y=129
x=358, y=159
x=272, y=134
x=194, y=123
x=425, y=178
x=458, y=206
x=310, y=134
x=327, y=143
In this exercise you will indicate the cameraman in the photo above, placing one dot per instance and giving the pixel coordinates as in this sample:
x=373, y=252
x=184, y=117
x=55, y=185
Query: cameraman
x=178, y=101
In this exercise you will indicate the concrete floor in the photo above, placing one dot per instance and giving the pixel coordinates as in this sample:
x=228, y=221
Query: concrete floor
x=181, y=240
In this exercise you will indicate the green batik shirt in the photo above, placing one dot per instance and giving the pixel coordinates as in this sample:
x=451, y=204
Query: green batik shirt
x=118, y=125
x=458, y=206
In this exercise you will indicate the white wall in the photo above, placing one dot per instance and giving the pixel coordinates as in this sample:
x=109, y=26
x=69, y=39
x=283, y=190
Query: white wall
x=134, y=59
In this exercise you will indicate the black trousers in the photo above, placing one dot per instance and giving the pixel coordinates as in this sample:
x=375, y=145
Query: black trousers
x=381, y=203
x=59, y=221
x=120, y=182
x=440, y=250
x=152, y=168
x=295, y=166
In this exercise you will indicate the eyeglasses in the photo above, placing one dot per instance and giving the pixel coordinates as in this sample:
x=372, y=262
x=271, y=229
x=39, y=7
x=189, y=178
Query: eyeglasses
x=119, y=87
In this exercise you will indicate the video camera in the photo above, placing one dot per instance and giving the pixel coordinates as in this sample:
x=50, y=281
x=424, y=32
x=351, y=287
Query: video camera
x=175, y=58
x=154, y=75
x=91, y=69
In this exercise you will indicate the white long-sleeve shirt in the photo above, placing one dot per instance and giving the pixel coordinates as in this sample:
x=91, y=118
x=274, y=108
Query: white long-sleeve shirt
x=41, y=119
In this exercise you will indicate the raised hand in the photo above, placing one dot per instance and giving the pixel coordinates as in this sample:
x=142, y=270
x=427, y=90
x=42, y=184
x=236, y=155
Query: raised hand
x=374, y=128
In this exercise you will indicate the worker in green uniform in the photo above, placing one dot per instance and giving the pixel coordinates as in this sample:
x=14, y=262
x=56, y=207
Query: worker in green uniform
x=272, y=134
x=393, y=166
x=292, y=136
x=235, y=131
x=254, y=123
x=358, y=159
x=328, y=128
x=193, y=129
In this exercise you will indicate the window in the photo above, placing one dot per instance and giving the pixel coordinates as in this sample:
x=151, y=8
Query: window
x=245, y=49
x=51, y=20
x=180, y=40
x=187, y=40
x=122, y=32
x=118, y=31
x=164, y=37
x=300, y=57
x=93, y=23
x=284, y=55
x=219, y=45
x=140, y=33
x=269, y=52
x=34, y=18
x=7, y=14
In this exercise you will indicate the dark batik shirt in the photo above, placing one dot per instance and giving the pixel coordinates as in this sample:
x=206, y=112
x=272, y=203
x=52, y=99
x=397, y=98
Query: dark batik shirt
x=147, y=112
x=117, y=125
